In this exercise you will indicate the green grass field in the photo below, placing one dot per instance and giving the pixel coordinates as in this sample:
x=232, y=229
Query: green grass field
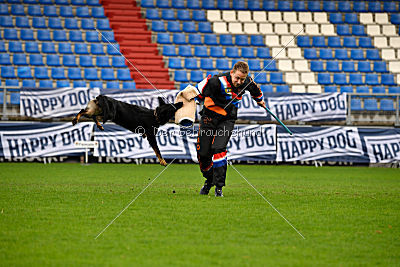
x=50, y=215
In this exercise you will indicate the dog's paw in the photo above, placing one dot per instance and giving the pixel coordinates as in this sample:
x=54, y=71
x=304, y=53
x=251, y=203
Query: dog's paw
x=74, y=121
x=163, y=162
x=100, y=127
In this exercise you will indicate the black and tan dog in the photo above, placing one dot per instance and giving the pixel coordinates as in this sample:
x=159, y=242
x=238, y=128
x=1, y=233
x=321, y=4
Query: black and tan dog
x=132, y=117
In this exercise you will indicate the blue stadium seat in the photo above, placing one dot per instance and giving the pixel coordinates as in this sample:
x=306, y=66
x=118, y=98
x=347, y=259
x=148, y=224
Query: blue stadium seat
x=174, y=63
x=344, y=6
x=113, y=49
x=276, y=78
x=69, y=61
x=374, y=7
x=50, y=11
x=98, y=12
x=263, y=52
x=359, y=6
x=339, y=78
x=46, y=2
x=317, y=66
x=373, y=54
x=329, y=6
x=357, y=54
x=365, y=42
x=74, y=74
x=330, y=89
x=204, y=27
x=96, y=84
x=62, y=84
x=358, y=30
x=26, y=35
x=324, y=78
x=24, y=73
x=66, y=11
x=378, y=90
x=158, y=26
x=147, y=3
x=28, y=83
x=326, y=53
x=163, y=38
x=5, y=59
x=206, y=64
x=128, y=85
x=92, y=37
x=103, y=62
x=58, y=73
x=60, y=36
x=15, y=98
x=387, y=105
x=303, y=41
x=41, y=73
x=334, y=41
x=270, y=65
x=36, y=60
x=387, y=79
x=45, y=84
x=371, y=104
x=200, y=51
x=107, y=74
x=189, y=26
x=22, y=22
x=332, y=66
x=162, y=3
x=216, y=51
x=371, y=79
x=254, y=64
x=222, y=64
x=88, y=24
x=53, y=60
x=11, y=34
x=226, y=39
x=364, y=66
x=181, y=76
x=48, y=48
x=351, y=18
x=336, y=18
x=318, y=41
x=78, y=2
x=310, y=53
x=62, y=2
x=380, y=66
x=118, y=62
x=178, y=4
x=282, y=89
x=343, y=29
x=185, y=51
x=260, y=77
x=77, y=84
x=179, y=38
x=199, y=15
x=193, y=4
x=15, y=47
x=349, y=42
x=108, y=36
x=223, y=4
x=81, y=49
x=112, y=85
x=210, y=39
x=196, y=76
x=284, y=5
x=348, y=66
x=71, y=24
x=55, y=24
x=64, y=48
x=167, y=14
x=174, y=26
x=232, y=52
x=299, y=6
x=248, y=52
x=356, y=79
x=75, y=36
x=191, y=63
x=267, y=88
x=356, y=104
x=195, y=39
x=4, y=9
x=13, y=82
x=7, y=21
x=346, y=89
x=96, y=49
x=32, y=47
x=90, y=74
x=103, y=25
x=241, y=40
x=43, y=35
x=268, y=5
x=257, y=40
x=169, y=50
x=18, y=10
x=389, y=7
x=208, y=4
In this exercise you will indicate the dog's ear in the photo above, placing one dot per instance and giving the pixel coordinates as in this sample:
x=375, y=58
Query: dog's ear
x=107, y=106
x=161, y=101
x=178, y=105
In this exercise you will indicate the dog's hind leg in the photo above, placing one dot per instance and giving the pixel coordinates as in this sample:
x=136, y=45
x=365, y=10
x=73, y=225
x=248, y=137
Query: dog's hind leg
x=75, y=120
x=98, y=123
x=153, y=143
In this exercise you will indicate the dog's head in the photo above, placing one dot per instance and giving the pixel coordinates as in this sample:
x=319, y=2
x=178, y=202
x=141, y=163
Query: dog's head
x=165, y=112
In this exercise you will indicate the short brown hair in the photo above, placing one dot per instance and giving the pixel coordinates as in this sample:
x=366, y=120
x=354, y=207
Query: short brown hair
x=241, y=66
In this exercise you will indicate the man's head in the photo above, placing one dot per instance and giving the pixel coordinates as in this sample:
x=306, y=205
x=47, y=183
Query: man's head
x=239, y=73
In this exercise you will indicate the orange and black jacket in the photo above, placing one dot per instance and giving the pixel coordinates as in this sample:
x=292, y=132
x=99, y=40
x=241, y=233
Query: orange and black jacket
x=221, y=98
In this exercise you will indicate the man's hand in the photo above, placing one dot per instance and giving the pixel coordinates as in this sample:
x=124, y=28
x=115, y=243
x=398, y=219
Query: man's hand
x=262, y=104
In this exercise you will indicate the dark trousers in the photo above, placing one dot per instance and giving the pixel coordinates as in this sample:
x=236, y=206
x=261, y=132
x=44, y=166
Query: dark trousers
x=214, y=135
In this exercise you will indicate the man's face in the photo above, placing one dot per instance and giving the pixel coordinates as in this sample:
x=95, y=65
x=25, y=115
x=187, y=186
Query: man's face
x=238, y=77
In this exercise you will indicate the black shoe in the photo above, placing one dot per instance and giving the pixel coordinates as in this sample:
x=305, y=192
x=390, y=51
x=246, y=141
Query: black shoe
x=205, y=189
x=218, y=192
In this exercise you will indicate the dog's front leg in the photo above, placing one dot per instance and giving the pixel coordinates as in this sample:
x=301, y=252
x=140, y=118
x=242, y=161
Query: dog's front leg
x=78, y=116
x=98, y=123
x=153, y=143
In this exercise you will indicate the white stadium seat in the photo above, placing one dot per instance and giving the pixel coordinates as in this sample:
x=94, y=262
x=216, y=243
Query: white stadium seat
x=388, y=54
x=312, y=29
x=316, y=89
x=214, y=15
x=298, y=89
x=279, y=52
x=272, y=40
x=294, y=53
x=220, y=27
x=305, y=17
x=389, y=30
x=320, y=17
x=381, y=18
x=380, y=42
x=244, y=16
x=394, y=66
x=281, y=28
x=374, y=30
x=328, y=30
x=394, y=42
x=274, y=16
x=290, y=17
x=250, y=28
x=308, y=78
x=296, y=28
x=266, y=28
x=235, y=27
x=285, y=65
x=229, y=16
x=292, y=78
x=301, y=65
x=260, y=16
x=288, y=41
x=366, y=18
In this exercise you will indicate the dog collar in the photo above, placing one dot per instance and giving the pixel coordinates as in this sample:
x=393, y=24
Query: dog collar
x=155, y=115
